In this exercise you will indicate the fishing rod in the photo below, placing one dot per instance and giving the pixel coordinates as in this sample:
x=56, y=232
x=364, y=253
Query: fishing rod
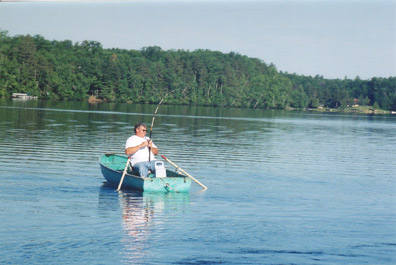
x=152, y=122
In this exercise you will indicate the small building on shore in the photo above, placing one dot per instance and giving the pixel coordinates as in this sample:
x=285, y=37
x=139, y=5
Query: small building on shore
x=22, y=96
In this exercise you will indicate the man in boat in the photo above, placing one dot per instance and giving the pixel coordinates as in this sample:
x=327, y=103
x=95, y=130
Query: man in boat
x=139, y=147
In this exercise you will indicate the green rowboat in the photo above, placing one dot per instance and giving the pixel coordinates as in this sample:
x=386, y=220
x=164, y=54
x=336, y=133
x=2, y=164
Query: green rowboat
x=112, y=167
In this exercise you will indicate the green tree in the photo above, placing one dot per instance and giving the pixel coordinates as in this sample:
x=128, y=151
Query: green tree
x=63, y=70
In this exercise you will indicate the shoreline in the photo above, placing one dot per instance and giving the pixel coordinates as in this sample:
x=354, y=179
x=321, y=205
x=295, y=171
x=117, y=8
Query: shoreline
x=352, y=110
x=349, y=110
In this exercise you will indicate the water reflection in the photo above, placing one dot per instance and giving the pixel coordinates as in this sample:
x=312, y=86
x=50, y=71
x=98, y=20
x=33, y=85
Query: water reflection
x=144, y=215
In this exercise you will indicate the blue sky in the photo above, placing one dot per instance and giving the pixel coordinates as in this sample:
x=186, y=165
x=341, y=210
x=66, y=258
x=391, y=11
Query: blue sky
x=334, y=39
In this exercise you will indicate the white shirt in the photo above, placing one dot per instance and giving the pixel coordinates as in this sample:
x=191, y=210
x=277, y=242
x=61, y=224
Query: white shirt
x=142, y=155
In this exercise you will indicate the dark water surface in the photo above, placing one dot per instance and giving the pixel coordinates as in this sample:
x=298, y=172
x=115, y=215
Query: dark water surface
x=283, y=187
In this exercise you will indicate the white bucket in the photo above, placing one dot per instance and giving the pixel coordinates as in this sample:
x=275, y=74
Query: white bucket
x=160, y=171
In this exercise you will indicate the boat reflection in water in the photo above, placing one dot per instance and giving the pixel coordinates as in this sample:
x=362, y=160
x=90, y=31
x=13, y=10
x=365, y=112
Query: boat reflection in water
x=144, y=216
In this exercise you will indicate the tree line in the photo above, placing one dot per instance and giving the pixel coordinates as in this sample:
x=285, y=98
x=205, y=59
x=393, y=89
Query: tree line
x=65, y=71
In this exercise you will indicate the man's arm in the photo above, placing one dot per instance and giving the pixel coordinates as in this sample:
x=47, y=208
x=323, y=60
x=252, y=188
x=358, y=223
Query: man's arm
x=134, y=149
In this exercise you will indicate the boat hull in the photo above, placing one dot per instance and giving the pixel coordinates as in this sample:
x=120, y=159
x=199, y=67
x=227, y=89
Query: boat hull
x=112, y=167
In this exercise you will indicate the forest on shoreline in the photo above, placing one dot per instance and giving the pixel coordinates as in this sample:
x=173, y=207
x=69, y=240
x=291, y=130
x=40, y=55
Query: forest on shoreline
x=64, y=70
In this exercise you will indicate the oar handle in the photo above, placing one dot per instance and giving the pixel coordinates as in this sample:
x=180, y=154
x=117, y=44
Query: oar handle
x=123, y=174
x=188, y=175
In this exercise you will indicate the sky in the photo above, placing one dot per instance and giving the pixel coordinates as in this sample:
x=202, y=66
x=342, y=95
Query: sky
x=330, y=38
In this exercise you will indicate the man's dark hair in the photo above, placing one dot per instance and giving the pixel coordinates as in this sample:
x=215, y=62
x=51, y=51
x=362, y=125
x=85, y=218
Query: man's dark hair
x=137, y=126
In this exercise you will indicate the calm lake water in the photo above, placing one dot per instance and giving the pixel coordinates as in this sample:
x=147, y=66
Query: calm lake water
x=283, y=187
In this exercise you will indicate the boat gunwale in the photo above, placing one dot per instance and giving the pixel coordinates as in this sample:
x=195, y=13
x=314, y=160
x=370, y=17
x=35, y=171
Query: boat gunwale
x=136, y=176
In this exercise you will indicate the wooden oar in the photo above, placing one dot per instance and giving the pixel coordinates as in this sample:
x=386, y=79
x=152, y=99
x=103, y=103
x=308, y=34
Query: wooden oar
x=123, y=174
x=188, y=175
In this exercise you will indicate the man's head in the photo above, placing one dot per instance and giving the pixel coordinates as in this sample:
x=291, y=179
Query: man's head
x=140, y=129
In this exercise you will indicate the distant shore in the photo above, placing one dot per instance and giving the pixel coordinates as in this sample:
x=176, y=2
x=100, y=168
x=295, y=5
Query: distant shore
x=358, y=110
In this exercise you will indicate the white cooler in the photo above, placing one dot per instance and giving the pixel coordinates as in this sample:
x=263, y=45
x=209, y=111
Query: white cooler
x=160, y=171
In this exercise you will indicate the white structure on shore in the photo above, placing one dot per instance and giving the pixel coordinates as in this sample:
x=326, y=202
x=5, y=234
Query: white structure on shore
x=22, y=96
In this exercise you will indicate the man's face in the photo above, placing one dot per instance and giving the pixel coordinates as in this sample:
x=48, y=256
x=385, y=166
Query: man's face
x=141, y=131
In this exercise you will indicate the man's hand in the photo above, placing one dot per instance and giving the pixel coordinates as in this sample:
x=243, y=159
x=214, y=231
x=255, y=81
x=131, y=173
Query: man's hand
x=143, y=144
